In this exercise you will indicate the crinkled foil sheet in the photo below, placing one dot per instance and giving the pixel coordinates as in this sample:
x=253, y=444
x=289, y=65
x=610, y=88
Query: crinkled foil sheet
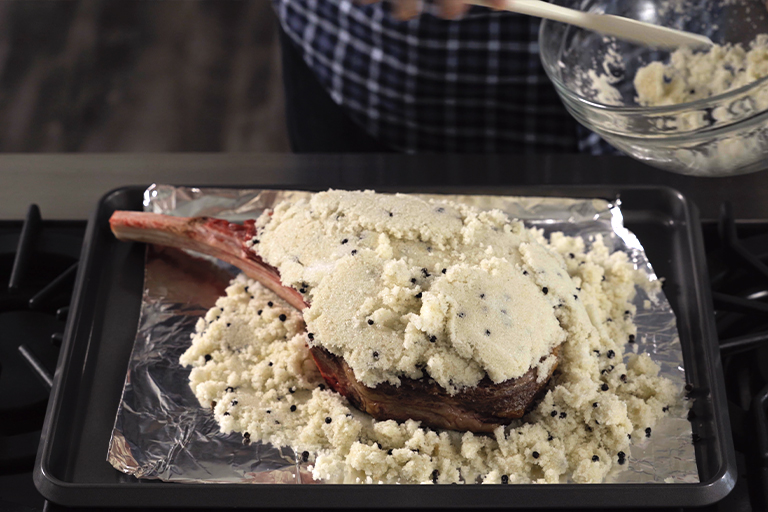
x=161, y=432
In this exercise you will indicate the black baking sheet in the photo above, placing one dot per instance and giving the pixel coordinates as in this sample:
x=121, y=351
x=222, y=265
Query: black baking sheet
x=71, y=467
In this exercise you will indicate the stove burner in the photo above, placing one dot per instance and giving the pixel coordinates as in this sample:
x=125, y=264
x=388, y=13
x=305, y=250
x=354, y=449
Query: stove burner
x=739, y=277
x=39, y=263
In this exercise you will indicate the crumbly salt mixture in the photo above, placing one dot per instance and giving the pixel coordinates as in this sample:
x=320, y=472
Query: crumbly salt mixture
x=251, y=365
x=692, y=75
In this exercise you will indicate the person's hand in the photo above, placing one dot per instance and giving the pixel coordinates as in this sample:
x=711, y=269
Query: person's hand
x=407, y=9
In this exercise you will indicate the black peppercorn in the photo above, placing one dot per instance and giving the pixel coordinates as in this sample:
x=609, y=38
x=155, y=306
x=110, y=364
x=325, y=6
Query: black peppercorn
x=597, y=352
x=432, y=339
x=259, y=312
x=545, y=290
x=611, y=354
x=563, y=415
x=482, y=295
x=270, y=363
x=594, y=404
x=293, y=408
x=418, y=295
x=535, y=455
x=571, y=255
x=525, y=272
x=553, y=413
x=370, y=322
x=504, y=479
x=375, y=355
x=311, y=336
x=595, y=458
x=344, y=241
x=648, y=432
x=425, y=272
x=631, y=338
x=226, y=414
x=322, y=387
x=304, y=456
x=208, y=357
x=623, y=378
x=665, y=408
x=444, y=270
x=389, y=452
x=413, y=280
x=604, y=387
x=487, y=332
x=282, y=318
x=270, y=303
x=354, y=251
x=622, y=455
x=328, y=419
x=228, y=325
x=233, y=403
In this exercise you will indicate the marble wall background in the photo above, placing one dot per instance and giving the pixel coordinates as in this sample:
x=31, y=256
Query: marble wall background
x=140, y=75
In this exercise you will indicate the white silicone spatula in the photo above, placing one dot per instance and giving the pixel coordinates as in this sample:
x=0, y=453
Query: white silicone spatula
x=608, y=24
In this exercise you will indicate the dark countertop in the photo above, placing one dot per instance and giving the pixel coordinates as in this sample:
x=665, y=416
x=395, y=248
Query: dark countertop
x=68, y=186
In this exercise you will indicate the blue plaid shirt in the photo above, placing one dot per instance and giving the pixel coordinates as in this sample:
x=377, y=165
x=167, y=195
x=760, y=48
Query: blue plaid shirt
x=471, y=86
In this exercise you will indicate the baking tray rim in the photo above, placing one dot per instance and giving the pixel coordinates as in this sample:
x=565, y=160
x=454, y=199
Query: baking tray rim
x=687, y=494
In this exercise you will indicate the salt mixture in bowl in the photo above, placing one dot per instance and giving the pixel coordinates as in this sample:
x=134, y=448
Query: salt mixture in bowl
x=701, y=112
x=403, y=287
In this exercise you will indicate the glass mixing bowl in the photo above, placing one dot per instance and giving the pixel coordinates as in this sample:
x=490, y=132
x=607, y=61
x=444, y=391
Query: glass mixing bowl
x=721, y=135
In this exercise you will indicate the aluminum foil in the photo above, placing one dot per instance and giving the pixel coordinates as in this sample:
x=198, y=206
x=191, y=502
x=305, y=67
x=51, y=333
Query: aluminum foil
x=161, y=431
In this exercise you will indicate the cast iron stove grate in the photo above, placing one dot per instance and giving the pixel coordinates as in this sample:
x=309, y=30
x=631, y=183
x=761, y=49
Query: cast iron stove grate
x=739, y=277
x=38, y=260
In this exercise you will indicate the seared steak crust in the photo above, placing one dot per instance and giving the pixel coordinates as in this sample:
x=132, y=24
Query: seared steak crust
x=478, y=409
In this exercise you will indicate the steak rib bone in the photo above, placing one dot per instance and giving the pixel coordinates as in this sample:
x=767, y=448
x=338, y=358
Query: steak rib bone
x=215, y=237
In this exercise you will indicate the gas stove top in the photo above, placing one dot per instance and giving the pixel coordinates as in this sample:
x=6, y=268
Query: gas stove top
x=38, y=259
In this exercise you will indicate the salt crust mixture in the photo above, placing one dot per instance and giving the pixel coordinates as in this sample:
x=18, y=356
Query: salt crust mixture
x=372, y=268
x=692, y=75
